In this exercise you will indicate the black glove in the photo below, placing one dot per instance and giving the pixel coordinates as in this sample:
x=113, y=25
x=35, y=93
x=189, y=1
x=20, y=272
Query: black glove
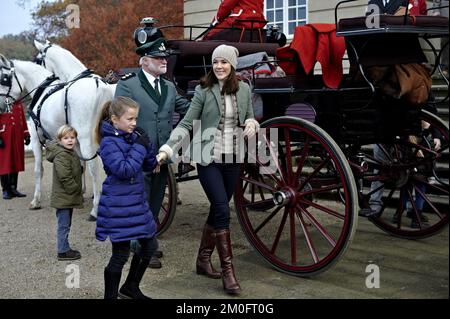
x=142, y=138
x=27, y=140
x=1, y=143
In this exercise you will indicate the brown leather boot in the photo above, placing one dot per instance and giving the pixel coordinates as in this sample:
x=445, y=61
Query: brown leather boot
x=223, y=244
x=207, y=244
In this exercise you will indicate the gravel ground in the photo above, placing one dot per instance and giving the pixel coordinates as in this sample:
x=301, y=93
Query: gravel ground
x=29, y=268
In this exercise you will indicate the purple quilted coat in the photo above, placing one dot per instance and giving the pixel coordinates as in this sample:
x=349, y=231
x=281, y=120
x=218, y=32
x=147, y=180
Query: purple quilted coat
x=123, y=211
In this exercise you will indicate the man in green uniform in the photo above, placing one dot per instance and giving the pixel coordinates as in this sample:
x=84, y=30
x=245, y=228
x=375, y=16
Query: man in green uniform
x=158, y=100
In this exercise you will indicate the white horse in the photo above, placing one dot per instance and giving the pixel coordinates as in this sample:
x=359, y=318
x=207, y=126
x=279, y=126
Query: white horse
x=83, y=100
x=67, y=67
x=62, y=62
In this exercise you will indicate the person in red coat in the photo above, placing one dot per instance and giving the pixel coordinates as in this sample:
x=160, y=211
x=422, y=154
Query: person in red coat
x=13, y=134
x=419, y=7
x=230, y=13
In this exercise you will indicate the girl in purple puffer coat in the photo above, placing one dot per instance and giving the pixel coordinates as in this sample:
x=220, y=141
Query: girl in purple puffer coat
x=123, y=212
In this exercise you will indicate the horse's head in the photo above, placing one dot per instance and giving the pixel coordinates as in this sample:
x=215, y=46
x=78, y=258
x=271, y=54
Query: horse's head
x=9, y=86
x=58, y=60
x=41, y=58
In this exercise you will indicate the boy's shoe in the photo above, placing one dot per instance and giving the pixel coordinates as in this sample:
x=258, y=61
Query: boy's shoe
x=69, y=255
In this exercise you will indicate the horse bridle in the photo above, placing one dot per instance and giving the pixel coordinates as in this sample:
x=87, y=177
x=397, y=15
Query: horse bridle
x=43, y=54
x=6, y=79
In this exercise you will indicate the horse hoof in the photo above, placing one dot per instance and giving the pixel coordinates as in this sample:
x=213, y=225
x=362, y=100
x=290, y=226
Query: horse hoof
x=34, y=207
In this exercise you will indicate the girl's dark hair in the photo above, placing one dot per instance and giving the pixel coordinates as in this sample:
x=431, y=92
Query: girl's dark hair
x=118, y=106
x=230, y=86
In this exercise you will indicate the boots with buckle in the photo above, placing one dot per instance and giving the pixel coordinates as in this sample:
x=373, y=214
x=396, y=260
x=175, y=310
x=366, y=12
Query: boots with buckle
x=207, y=244
x=223, y=244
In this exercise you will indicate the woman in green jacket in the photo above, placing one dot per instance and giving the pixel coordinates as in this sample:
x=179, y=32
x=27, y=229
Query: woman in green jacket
x=66, y=187
x=221, y=106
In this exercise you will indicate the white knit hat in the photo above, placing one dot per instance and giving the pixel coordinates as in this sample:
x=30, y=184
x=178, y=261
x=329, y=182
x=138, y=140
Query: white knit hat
x=226, y=52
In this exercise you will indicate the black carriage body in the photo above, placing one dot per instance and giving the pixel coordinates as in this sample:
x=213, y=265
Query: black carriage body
x=354, y=113
x=326, y=139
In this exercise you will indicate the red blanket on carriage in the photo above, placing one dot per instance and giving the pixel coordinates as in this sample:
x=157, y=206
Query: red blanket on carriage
x=318, y=43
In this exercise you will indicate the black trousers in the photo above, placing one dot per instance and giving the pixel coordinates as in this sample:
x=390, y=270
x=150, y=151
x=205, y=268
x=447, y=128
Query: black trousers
x=121, y=252
x=218, y=181
x=9, y=181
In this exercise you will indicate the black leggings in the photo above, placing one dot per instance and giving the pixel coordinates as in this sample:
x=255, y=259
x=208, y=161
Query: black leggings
x=121, y=252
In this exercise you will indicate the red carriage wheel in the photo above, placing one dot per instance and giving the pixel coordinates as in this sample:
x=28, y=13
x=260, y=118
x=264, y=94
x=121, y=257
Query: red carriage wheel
x=289, y=198
x=169, y=205
x=409, y=170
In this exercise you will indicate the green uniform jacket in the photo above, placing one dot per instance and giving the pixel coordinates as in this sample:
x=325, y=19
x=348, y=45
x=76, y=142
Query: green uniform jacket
x=155, y=118
x=205, y=106
x=67, y=171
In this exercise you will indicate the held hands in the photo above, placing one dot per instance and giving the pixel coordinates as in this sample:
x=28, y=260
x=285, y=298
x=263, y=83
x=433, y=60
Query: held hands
x=162, y=157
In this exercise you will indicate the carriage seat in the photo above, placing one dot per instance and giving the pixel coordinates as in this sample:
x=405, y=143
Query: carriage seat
x=286, y=84
x=188, y=48
x=390, y=21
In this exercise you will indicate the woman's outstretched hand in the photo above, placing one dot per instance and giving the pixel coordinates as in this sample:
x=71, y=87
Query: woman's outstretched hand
x=162, y=157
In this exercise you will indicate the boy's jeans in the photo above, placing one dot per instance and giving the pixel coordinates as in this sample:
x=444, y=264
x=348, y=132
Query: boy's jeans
x=64, y=221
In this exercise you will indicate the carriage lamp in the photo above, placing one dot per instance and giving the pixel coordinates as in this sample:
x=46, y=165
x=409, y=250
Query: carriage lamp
x=148, y=33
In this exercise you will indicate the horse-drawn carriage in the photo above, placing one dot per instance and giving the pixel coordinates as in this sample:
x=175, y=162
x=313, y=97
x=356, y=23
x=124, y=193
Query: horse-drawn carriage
x=298, y=200
x=318, y=161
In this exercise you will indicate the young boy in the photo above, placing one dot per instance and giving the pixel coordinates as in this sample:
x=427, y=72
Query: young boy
x=66, y=187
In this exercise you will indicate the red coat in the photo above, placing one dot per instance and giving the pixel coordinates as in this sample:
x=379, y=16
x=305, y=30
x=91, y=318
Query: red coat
x=317, y=43
x=13, y=130
x=232, y=10
x=419, y=7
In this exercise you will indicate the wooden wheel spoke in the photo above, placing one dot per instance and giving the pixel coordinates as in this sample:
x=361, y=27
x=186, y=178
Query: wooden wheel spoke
x=275, y=159
x=267, y=219
x=278, y=235
x=309, y=242
x=301, y=163
x=315, y=172
x=257, y=204
x=321, y=190
x=259, y=184
x=418, y=190
x=322, y=208
x=288, y=156
x=293, y=237
x=435, y=187
x=318, y=226
x=383, y=207
x=385, y=152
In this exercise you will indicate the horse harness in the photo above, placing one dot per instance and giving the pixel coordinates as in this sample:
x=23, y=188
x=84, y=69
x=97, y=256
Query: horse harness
x=40, y=90
x=6, y=79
